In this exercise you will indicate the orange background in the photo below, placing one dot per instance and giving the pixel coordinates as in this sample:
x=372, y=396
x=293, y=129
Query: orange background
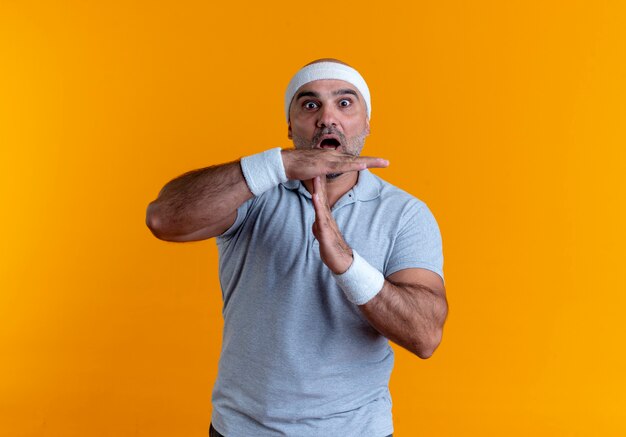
x=506, y=118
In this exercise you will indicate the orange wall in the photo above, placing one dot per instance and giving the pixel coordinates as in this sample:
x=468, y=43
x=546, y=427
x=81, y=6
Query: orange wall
x=506, y=118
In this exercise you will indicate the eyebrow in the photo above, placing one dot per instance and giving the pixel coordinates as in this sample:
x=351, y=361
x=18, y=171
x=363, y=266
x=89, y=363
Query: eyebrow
x=335, y=93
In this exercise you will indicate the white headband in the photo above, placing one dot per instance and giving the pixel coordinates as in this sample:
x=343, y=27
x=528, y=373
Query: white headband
x=327, y=70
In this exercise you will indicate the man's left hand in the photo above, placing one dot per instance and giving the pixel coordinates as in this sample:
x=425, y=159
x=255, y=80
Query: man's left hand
x=334, y=250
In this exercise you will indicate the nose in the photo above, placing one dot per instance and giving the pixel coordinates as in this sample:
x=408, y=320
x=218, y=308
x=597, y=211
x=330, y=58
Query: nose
x=327, y=116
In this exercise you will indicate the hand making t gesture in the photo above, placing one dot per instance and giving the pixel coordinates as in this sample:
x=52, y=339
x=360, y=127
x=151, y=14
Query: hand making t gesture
x=334, y=250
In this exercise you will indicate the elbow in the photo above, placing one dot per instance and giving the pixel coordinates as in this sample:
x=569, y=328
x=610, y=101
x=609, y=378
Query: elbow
x=425, y=353
x=162, y=228
x=426, y=349
x=426, y=345
x=154, y=221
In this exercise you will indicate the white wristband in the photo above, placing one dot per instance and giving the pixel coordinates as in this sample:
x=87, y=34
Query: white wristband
x=264, y=170
x=361, y=282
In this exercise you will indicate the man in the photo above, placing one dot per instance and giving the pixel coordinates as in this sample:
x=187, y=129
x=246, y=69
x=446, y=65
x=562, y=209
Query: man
x=320, y=263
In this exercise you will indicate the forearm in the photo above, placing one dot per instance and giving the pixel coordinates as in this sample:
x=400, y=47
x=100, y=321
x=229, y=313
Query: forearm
x=202, y=203
x=404, y=310
x=198, y=199
x=408, y=314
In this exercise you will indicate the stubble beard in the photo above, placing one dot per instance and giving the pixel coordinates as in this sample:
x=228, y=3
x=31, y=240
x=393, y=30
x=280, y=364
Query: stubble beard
x=351, y=146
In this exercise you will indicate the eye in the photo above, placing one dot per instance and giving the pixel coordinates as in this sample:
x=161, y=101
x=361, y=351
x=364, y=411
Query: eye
x=345, y=102
x=310, y=105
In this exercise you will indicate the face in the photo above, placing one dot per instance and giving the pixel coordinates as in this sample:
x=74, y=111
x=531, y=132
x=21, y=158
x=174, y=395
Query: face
x=328, y=114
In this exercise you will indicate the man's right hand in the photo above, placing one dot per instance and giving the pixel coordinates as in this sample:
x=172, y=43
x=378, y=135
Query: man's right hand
x=306, y=164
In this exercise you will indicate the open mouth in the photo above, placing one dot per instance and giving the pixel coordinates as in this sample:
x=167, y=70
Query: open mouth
x=330, y=143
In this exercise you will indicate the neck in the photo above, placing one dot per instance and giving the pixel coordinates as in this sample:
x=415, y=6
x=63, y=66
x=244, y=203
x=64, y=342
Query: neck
x=336, y=187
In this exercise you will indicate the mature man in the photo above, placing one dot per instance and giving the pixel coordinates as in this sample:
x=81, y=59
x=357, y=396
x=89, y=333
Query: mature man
x=320, y=262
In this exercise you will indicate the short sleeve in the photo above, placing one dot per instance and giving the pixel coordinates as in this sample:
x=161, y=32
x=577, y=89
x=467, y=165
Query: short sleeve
x=418, y=242
x=242, y=213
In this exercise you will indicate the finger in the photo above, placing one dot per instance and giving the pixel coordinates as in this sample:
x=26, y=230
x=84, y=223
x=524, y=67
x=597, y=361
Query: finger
x=316, y=193
x=320, y=211
x=323, y=215
x=318, y=197
x=316, y=184
x=316, y=188
x=321, y=189
x=371, y=162
x=348, y=163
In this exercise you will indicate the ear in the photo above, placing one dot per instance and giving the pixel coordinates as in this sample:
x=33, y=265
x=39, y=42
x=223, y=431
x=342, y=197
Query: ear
x=289, y=135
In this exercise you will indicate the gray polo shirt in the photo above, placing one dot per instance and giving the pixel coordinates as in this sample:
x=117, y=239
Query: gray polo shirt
x=298, y=359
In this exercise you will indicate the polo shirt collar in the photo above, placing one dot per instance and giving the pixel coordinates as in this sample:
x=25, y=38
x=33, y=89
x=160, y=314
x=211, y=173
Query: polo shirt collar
x=366, y=188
